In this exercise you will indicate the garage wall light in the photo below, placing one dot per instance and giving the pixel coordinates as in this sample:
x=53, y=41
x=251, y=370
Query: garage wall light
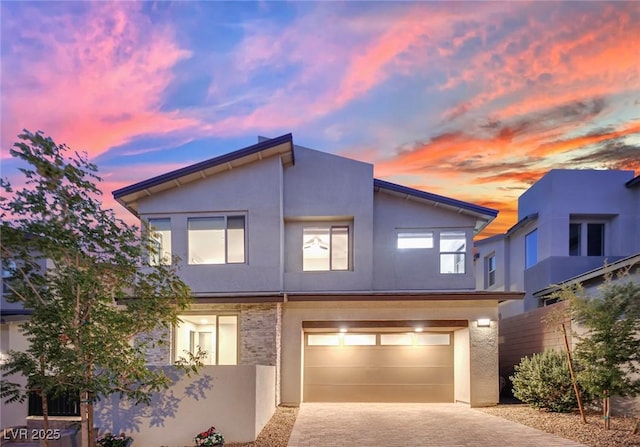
x=418, y=329
x=343, y=330
x=484, y=322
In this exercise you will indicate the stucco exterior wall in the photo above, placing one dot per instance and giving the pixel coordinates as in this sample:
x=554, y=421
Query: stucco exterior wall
x=417, y=268
x=254, y=190
x=237, y=400
x=324, y=188
x=482, y=352
x=462, y=376
x=12, y=338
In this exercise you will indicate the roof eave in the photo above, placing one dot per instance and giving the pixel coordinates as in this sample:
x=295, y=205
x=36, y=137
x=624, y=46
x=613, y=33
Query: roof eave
x=129, y=195
x=483, y=214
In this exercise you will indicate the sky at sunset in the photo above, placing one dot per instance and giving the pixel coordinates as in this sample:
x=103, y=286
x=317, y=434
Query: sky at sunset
x=474, y=101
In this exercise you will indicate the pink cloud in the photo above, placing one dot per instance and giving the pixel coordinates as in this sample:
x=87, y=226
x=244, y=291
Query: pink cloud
x=96, y=80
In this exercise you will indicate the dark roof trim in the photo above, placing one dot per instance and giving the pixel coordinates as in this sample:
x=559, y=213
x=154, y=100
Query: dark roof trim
x=434, y=197
x=521, y=223
x=378, y=296
x=633, y=182
x=191, y=169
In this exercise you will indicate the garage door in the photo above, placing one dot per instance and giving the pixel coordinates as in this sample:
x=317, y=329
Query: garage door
x=378, y=367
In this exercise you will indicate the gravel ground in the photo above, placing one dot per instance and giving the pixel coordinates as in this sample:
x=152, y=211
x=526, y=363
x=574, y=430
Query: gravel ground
x=570, y=425
x=278, y=430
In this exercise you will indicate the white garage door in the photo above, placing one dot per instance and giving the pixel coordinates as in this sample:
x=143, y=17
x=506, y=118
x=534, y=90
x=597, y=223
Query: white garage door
x=378, y=367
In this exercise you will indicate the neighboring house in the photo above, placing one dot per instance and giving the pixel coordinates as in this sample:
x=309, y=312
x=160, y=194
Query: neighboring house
x=312, y=282
x=571, y=223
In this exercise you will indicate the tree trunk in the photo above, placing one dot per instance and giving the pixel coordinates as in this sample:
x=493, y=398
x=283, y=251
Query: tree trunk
x=84, y=426
x=45, y=417
x=576, y=389
x=90, y=420
x=606, y=410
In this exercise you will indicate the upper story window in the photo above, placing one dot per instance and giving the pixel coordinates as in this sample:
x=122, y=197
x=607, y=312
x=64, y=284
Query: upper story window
x=453, y=249
x=531, y=249
x=408, y=239
x=325, y=248
x=160, y=241
x=491, y=270
x=8, y=269
x=216, y=336
x=585, y=237
x=217, y=240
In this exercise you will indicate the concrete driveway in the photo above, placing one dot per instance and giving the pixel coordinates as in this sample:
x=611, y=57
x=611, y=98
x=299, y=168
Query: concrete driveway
x=411, y=425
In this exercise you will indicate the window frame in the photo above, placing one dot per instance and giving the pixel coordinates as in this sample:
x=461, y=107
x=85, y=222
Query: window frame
x=156, y=258
x=330, y=228
x=225, y=218
x=417, y=234
x=216, y=316
x=491, y=269
x=584, y=236
x=462, y=254
x=528, y=263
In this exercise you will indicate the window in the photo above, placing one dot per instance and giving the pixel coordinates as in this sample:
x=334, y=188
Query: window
x=575, y=239
x=8, y=268
x=453, y=247
x=491, y=270
x=215, y=335
x=408, y=239
x=432, y=339
x=323, y=340
x=160, y=241
x=359, y=339
x=595, y=239
x=592, y=244
x=325, y=248
x=531, y=249
x=396, y=339
x=217, y=240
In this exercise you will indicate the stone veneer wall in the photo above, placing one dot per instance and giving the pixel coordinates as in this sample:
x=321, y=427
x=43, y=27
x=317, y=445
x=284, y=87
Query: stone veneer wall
x=161, y=354
x=260, y=337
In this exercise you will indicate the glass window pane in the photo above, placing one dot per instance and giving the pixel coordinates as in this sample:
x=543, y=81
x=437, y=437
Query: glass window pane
x=235, y=239
x=340, y=248
x=575, y=239
x=531, y=249
x=206, y=240
x=396, y=339
x=595, y=239
x=415, y=240
x=323, y=340
x=315, y=249
x=160, y=240
x=228, y=340
x=452, y=263
x=425, y=339
x=359, y=339
x=453, y=241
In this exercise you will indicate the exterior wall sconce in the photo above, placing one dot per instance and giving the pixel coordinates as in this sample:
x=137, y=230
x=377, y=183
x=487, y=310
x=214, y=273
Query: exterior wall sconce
x=484, y=322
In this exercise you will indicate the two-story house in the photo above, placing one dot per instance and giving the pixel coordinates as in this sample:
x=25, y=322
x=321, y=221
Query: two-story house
x=571, y=223
x=314, y=281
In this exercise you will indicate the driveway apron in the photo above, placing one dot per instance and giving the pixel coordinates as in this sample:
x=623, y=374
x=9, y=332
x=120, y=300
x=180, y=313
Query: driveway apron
x=411, y=425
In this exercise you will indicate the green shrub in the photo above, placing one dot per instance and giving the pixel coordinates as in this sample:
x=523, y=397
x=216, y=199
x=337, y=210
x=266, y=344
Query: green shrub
x=544, y=381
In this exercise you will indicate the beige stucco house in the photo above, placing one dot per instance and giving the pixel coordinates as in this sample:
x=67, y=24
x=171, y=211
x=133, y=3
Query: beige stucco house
x=313, y=281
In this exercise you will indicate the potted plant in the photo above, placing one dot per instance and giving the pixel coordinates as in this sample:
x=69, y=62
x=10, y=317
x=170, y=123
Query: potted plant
x=111, y=440
x=209, y=438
